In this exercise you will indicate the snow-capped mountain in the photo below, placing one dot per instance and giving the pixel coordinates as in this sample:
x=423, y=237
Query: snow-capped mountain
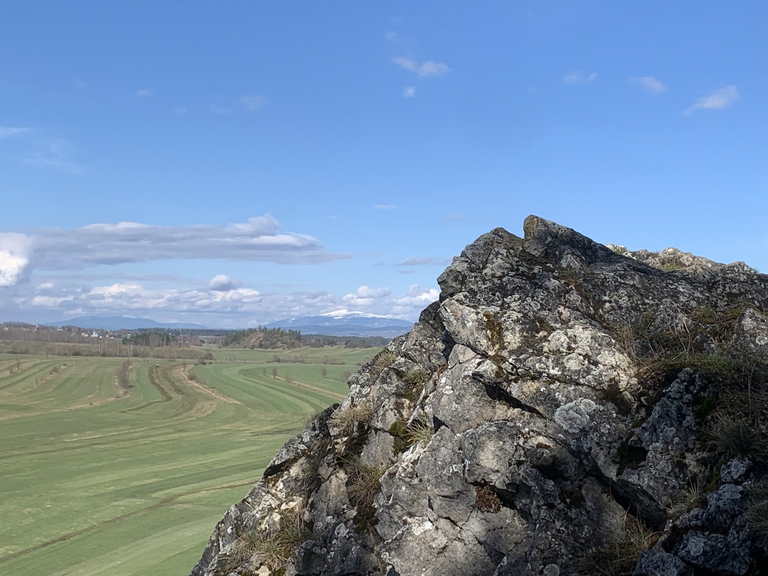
x=345, y=323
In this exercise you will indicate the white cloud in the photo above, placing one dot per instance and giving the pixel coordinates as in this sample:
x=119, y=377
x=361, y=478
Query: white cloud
x=180, y=110
x=426, y=68
x=452, y=218
x=253, y=103
x=219, y=109
x=577, y=77
x=716, y=100
x=143, y=93
x=258, y=239
x=365, y=296
x=49, y=301
x=391, y=35
x=381, y=301
x=237, y=307
x=415, y=300
x=10, y=132
x=409, y=91
x=649, y=83
x=221, y=283
x=14, y=257
x=385, y=206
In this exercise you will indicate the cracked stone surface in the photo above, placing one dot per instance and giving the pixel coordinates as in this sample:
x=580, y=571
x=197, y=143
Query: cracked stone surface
x=542, y=435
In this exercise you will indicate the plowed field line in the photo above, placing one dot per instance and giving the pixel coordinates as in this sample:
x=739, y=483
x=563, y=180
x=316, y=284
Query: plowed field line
x=105, y=523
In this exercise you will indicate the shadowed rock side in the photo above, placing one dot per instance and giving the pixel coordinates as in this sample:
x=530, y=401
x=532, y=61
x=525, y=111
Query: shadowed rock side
x=562, y=410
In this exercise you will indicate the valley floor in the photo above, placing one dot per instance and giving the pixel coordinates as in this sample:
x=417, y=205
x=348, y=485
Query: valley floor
x=96, y=480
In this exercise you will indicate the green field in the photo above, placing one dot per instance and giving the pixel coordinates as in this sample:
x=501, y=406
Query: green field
x=94, y=481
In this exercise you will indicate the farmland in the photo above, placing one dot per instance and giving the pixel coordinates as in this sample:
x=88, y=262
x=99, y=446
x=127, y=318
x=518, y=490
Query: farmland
x=102, y=474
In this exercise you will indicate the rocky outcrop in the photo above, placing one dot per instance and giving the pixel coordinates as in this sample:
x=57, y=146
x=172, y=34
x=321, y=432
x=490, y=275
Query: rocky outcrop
x=564, y=409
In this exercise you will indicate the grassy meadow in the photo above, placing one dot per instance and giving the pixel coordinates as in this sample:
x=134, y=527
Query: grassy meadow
x=97, y=480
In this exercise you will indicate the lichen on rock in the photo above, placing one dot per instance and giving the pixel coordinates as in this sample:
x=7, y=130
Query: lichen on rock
x=580, y=409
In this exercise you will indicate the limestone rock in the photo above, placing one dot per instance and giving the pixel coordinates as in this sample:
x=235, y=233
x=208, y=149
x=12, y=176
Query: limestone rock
x=564, y=409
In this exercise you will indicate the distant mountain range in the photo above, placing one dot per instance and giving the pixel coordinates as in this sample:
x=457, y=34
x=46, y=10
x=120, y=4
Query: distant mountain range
x=340, y=323
x=345, y=324
x=123, y=323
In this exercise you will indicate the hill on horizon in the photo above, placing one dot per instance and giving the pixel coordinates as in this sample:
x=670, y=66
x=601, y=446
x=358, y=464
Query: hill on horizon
x=345, y=324
x=122, y=323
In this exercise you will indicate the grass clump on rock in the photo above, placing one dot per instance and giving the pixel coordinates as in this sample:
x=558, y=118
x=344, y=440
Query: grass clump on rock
x=347, y=419
x=619, y=558
x=272, y=549
x=362, y=487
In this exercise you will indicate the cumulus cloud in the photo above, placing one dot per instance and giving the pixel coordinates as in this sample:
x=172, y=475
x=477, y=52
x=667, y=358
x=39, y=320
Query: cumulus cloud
x=415, y=300
x=409, y=92
x=143, y=93
x=221, y=283
x=15, y=250
x=219, y=109
x=49, y=301
x=235, y=307
x=365, y=296
x=649, y=83
x=427, y=68
x=715, y=100
x=253, y=103
x=577, y=77
x=257, y=240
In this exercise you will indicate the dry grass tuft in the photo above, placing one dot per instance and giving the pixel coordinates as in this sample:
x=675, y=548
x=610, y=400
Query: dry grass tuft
x=736, y=437
x=486, y=499
x=419, y=432
x=619, y=558
x=274, y=549
x=362, y=487
x=757, y=512
x=690, y=498
x=348, y=418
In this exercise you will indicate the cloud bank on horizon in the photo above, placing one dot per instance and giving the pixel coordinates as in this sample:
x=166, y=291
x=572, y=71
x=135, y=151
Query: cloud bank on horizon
x=224, y=302
x=258, y=239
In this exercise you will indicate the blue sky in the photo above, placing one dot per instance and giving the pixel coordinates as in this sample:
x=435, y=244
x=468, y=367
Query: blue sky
x=234, y=163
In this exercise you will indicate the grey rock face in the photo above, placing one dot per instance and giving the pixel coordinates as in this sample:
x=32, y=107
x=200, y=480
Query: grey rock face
x=562, y=410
